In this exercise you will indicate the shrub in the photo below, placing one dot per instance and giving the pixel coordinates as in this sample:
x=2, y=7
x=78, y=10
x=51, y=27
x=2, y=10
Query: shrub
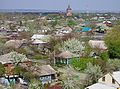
x=81, y=63
x=104, y=56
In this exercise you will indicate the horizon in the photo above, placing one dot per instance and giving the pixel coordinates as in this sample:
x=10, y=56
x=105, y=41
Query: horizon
x=94, y=5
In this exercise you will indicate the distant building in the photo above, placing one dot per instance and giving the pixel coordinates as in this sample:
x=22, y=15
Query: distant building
x=69, y=11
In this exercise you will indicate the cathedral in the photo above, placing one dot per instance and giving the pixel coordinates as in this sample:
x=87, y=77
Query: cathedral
x=68, y=12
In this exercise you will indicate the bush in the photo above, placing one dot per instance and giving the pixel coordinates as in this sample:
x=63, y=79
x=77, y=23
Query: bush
x=94, y=72
x=101, y=63
x=2, y=69
x=28, y=76
x=81, y=63
x=104, y=56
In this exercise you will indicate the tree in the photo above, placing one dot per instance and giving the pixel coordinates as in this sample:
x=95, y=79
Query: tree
x=54, y=23
x=69, y=81
x=72, y=45
x=71, y=23
x=113, y=65
x=46, y=38
x=16, y=57
x=35, y=84
x=81, y=63
x=2, y=69
x=112, y=40
x=94, y=72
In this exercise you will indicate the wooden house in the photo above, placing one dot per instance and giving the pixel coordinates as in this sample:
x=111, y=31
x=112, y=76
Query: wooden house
x=46, y=73
x=65, y=58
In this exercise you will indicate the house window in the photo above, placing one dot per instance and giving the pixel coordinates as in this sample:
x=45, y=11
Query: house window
x=113, y=81
x=103, y=79
x=12, y=66
x=27, y=65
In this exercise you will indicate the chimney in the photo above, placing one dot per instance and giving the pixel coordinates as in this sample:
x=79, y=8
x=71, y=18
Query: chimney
x=111, y=71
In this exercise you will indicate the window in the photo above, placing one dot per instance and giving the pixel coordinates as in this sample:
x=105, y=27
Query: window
x=12, y=66
x=103, y=79
x=113, y=81
x=27, y=65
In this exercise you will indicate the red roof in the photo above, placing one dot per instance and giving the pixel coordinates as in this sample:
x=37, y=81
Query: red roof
x=54, y=87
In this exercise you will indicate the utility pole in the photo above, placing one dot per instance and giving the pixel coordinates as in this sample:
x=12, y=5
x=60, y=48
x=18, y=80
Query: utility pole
x=54, y=57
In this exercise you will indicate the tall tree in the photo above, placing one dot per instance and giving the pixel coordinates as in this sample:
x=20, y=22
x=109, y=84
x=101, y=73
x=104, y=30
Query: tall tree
x=112, y=40
x=94, y=72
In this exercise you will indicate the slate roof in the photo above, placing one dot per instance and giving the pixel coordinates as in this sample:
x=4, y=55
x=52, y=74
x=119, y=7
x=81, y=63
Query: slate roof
x=43, y=70
x=101, y=86
x=67, y=55
x=97, y=44
x=116, y=76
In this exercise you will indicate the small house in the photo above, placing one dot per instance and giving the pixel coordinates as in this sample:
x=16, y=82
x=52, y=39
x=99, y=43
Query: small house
x=45, y=72
x=64, y=58
x=111, y=80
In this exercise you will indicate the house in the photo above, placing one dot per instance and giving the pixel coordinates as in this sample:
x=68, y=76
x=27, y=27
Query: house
x=63, y=30
x=65, y=58
x=9, y=65
x=45, y=72
x=85, y=30
x=111, y=80
x=108, y=23
x=36, y=38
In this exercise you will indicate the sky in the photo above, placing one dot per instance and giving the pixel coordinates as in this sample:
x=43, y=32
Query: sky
x=109, y=5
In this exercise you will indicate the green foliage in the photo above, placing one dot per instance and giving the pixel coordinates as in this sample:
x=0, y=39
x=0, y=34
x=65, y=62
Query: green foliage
x=54, y=23
x=19, y=70
x=71, y=23
x=104, y=56
x=69, y=80
x=28, y=50
x=94, y=72
x=81, y=63
x=40, y=56
x=34, y=84
x=28, y=76
x=113, y=64
x=112, y=40
x=101, y=63
x=52, y=16
x=2, y=69
x=88, y=50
